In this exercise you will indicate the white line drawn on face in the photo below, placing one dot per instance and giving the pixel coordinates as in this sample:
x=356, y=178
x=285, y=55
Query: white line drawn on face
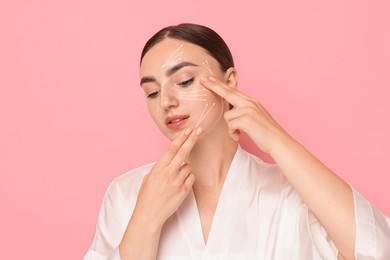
x=198, y=95
x=191, y=91
x=174, y=58
x=204, y=114
x=193, y=99
x=193, y=95
x=207, y=65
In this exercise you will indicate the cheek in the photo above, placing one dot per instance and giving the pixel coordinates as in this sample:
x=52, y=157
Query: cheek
x=208, y=112
x=216, y=101
x=217, y=109
x=153, y=110
x=205, y=99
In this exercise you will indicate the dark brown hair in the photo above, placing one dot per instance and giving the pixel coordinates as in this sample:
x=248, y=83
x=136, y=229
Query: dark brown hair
x=196, y=34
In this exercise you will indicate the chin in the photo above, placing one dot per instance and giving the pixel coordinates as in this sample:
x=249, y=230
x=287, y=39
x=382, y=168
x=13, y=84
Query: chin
x=171, y=135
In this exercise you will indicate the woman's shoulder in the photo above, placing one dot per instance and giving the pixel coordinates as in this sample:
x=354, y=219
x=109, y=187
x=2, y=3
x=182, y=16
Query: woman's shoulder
x=269, y=178
x=135, y=174
x=265, y=173
x=259, y=167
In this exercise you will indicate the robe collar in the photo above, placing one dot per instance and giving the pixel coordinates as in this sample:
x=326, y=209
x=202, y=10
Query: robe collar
x=225, y=213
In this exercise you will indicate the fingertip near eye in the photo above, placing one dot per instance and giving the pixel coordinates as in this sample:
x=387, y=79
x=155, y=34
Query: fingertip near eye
x=205, y=79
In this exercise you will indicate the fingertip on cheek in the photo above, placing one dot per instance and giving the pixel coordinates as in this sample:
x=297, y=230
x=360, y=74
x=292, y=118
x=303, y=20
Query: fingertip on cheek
x=199, y=131
x=188, y=131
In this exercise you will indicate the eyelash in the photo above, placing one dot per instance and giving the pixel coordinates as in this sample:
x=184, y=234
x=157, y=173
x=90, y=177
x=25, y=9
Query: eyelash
x=153, y=94
x=184, y=84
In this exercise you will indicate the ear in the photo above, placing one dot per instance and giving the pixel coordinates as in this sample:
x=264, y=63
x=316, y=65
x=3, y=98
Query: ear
x=231, y=80
x=230, y=77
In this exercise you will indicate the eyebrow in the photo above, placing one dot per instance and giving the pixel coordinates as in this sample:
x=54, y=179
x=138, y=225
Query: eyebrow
x=147, y=80
x=169, y=72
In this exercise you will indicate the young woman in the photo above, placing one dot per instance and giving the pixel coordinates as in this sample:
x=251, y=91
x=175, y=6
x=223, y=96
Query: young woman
x=207, y=198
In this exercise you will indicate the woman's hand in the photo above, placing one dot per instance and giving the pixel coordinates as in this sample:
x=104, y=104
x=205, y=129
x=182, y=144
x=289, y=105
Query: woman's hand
x=168, y=183
x=162, y=191
x=327, y=196
x=247, y=115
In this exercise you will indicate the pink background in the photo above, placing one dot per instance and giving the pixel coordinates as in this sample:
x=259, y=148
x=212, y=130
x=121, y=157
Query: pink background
x=73, y=116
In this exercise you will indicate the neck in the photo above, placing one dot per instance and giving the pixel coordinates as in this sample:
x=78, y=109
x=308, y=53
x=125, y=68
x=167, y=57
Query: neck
x=210, y=159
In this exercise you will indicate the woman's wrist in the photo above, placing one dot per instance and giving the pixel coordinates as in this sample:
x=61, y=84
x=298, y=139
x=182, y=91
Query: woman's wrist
x=149, y=222
x=279, y=141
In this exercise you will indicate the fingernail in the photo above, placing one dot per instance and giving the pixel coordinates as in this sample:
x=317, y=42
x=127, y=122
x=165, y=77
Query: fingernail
x=199, y=130
x=204, y=79
x=212, y=78
x=188, y=131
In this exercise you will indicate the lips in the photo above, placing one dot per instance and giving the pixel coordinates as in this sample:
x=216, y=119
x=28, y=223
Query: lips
x=174, y=122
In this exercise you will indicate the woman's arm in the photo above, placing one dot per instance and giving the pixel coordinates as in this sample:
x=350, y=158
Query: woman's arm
x=161, y=193
x=327, y=196
x=141, y=239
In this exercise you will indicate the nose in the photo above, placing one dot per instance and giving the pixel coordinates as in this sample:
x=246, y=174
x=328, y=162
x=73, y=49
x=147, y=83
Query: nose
x=168, y=98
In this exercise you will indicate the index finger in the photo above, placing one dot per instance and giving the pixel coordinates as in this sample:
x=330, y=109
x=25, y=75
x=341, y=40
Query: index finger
x=231, y=95
x=173, y=148
x=185, y=149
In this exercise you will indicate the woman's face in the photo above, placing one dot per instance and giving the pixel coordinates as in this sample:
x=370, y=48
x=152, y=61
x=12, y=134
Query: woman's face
x=170, y=77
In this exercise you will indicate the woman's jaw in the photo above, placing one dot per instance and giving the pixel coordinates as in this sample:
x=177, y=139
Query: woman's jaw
x=170, y=77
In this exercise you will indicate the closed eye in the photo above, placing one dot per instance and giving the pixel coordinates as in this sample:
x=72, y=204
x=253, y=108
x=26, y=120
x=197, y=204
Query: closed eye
x=186, y=83
x=153, y=94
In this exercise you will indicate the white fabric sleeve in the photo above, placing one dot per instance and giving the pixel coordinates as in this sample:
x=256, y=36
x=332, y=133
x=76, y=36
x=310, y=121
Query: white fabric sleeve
x=110, y=227
x=320, y=238
x=93, y=255
x=372, y=231
x=309, y=239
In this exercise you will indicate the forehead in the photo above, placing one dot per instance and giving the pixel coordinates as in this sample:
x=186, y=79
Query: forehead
x=170, y=51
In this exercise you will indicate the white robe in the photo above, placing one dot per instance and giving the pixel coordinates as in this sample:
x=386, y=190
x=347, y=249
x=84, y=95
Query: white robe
x=258, y=216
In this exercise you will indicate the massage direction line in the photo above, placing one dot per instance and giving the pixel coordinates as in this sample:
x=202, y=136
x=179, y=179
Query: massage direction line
x=175, y=56
x=191, y=91
x=193, y=95
x=203, y=115
x=207, y=65
x=194, y=99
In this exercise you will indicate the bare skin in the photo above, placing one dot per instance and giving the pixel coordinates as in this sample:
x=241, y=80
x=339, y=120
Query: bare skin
x=207, y=158
x=328, y=197
x=162, y=191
